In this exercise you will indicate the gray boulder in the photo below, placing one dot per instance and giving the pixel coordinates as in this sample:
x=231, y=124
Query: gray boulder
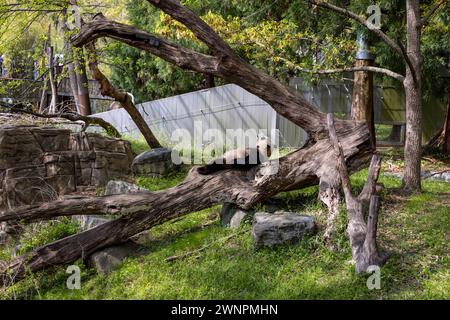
x=232, y=216
x=154, y=163
x=280, y=228
x=106, y=260
x=120, y=187
x=89, y=222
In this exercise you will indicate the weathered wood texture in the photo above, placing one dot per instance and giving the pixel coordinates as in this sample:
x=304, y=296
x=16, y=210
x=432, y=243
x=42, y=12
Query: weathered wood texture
x=362, y=234
x=107, y=89
x=110, y=129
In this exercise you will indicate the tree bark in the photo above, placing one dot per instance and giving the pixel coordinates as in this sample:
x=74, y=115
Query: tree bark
x=446, y=142
x=442, y=138
x=107, y=89
x=83, y=87
x=43, y=101
x=413, y=95
x=362, y=235
x=52, y=80
x=362, y=101
x=79, y=82
x=209, y=81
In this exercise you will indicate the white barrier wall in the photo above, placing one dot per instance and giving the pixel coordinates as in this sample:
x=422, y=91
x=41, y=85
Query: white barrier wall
x=224, y=107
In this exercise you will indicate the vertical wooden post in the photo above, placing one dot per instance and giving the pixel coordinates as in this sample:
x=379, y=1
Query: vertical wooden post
x=362, y=102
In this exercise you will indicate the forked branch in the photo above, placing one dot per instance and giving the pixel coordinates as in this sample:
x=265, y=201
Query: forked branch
x=362, y=234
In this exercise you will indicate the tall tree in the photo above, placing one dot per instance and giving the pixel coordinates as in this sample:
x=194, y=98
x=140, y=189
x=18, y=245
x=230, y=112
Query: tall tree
x=78, y=78
x=412, y=82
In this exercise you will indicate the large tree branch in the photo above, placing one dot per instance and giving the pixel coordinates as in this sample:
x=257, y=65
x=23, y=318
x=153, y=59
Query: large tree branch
x=296, y=67
x=194, y=23
x=107, y=89
x=109, y=128
x=285, y=100
x=169, y=51
x=384, y=71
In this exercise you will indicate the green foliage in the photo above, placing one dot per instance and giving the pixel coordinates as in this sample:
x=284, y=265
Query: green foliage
x=266, y=34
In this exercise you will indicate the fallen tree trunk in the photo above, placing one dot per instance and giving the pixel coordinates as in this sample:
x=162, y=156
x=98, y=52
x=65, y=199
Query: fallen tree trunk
x=142, y=211
x=314, y=163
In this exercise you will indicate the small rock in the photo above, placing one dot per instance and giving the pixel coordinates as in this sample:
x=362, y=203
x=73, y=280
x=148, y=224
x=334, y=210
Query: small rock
x=232, y=216
x=273, y=229
x=3, y=237
x=237, y=218
x=446, y=176
x=120, y=187
x=89, y=222
x=154, y=163
x=106, y=260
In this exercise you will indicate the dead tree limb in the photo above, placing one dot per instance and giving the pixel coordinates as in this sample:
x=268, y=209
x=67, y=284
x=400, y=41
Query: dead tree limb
x=107, y=89
x=362, y=235
x=442, y=138
x=109, y=128
x=141, y=211
x=285, y=100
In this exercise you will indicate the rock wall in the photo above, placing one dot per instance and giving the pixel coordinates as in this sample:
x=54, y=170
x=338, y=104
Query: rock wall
x=38, y=164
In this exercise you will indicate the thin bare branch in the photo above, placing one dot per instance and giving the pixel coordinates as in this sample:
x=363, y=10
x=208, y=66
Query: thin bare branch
x=427, y=17
x=384, y=71
x=109, y=128
x=383, y=36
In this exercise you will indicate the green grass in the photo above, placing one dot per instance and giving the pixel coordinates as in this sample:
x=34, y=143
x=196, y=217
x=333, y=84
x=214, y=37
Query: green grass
x=155, y=184
x=137, y=145
x=414, y=230
x=383, y=131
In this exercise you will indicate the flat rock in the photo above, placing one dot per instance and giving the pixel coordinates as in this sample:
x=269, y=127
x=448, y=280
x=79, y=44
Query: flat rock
x=280, y=228
x=154, y=163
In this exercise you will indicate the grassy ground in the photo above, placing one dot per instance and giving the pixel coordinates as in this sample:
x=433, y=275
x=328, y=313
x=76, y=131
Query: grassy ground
x=414, y=230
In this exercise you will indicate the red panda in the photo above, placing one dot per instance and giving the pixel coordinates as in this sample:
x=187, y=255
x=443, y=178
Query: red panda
x=242, y=158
